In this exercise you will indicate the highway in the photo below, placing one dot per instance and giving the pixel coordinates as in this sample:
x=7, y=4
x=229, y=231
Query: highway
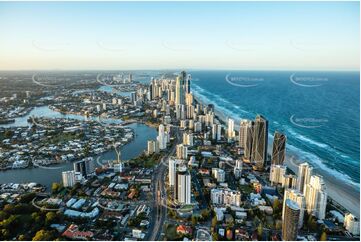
x=159, y=195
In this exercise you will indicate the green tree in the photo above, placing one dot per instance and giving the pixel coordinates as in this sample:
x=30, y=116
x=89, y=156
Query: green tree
x=43, y=235
x=215, y=236
x=55, y=187
x=278, y=225
x=22, y=237
x=205, y=213
x=3, y=215
x=50, y=217
x=194, y=220
x=260, y=230
x=5, y=234
x=323, y=236
x=276, y=206
x=311, y=223
x=214, y=221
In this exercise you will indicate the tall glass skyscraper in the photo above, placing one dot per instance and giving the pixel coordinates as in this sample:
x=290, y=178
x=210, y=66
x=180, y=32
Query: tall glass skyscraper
x=260, y=142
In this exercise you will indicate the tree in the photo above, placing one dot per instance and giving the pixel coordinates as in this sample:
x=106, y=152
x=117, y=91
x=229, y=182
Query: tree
x=205, y=213
x=55, y=187
x=214, y=221
x=278, y=225
x=215, y=236
x=276, y=205
x=323, y=236
x=50, y=217
x=43, y=235
x=22, y=237
x=194, y=220
x=260, y=230
x=5, y=234
x=311, y=223
x=3, y=215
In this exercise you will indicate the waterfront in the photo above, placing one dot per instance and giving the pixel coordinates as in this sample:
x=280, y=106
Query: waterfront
x=53, y=174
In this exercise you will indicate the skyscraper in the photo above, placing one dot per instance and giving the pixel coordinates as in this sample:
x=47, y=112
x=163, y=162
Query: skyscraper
x=237, y=170
x=216, y=132
x=183, y=186
x=290, y=220
x=249, y=129
x=172, y=170
x=161, y=137
x=230, y=133
x=180, y=88
x=316, y=197
x=277, y=174
x=304, y=175
x=260, y=142
x=85, y=166
x=298, y=198
x=182, y=151
x=243, y=132
x=278, y=149
x=68, y=178
x=188, y=84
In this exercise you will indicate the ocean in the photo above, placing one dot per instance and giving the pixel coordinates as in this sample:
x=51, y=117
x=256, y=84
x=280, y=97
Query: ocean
x=318, y=111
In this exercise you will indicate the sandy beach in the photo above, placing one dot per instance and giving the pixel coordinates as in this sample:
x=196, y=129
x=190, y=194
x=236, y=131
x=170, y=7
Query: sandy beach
x=343, y=193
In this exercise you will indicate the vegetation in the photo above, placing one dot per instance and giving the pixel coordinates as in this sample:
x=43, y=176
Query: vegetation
x=24, y=222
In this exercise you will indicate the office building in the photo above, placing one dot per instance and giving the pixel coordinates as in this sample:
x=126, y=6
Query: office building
x=216, y=132
x=277, y=174
x=290, y=181
x=85, y=166
x=316, y=197
x=260, y=142
x=161, y=138
x=219, y=174
x=182, y=151
x=230, y=131
x=298, y=198
x=244, y=133
x=304, y=175
x=290, y=221
x=172, y=170
x=180, y=89
x=153, y=147
x=188, y=139
x=248, y=141
x=183, y=186
x=225, y=196
x=352, y=224
x=278, y=149
x=237, y=170
x=68, y=178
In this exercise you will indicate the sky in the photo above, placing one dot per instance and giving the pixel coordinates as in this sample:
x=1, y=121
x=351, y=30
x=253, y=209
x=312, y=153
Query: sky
x=173, y=35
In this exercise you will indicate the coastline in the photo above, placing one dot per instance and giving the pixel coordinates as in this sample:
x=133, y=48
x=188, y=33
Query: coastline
x=343, y=193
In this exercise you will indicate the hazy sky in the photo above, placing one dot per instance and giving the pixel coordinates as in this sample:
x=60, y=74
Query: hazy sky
x=203, y=35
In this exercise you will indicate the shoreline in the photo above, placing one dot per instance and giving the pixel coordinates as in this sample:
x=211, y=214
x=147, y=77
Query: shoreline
x=336, y=190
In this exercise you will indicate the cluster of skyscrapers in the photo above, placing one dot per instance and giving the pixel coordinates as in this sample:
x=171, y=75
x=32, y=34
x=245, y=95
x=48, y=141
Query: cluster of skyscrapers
x=82, y=169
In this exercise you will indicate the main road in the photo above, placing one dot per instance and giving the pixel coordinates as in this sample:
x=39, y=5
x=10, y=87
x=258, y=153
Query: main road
x=160, y=196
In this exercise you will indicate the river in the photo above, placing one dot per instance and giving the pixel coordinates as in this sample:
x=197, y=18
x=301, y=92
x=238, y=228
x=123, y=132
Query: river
x=46, y=177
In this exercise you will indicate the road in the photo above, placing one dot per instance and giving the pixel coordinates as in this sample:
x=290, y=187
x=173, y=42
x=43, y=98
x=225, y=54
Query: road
x=160, y=211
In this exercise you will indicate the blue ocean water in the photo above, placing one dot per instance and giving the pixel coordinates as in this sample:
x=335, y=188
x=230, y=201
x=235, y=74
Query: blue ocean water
x=318, y=111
